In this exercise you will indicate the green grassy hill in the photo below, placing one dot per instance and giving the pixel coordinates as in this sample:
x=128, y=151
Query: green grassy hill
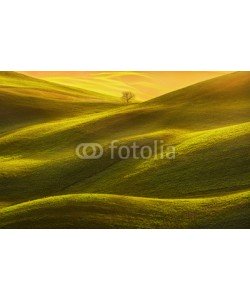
x=112, y=211
x=208, y=123
x=27, y=100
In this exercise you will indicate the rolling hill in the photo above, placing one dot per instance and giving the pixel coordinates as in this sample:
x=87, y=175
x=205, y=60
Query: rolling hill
x=27, y=100
x=112, y=211
x=145, y=84
x=205, y=186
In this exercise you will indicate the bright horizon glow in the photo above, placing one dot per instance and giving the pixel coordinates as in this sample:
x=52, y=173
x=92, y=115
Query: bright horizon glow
x=144, y=84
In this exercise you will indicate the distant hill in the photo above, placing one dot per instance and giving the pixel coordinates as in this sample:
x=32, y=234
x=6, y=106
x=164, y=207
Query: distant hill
x=24, y=99
x=144, y=84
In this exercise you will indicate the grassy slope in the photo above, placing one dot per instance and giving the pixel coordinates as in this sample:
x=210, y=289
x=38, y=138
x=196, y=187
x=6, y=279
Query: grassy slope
x=27, y=85
x=206, y=163
x=145, y=85
x=26, y=100
x=207, y=122
x=112, y=211
x=208, y=160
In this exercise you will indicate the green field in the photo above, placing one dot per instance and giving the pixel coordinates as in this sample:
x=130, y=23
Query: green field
x=43, y=184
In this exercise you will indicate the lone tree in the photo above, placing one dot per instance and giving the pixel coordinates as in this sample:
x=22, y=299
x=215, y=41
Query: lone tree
x=127, y=96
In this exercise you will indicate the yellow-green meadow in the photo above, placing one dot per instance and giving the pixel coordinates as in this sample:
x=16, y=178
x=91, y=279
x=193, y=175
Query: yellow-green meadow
x=44, y=184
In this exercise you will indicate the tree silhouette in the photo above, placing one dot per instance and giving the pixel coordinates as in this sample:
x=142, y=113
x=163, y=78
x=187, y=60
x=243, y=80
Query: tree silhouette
x=127, y=96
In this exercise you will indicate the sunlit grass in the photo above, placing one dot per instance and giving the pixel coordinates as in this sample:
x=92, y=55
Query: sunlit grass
x=117, y=211
x=205, y=185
